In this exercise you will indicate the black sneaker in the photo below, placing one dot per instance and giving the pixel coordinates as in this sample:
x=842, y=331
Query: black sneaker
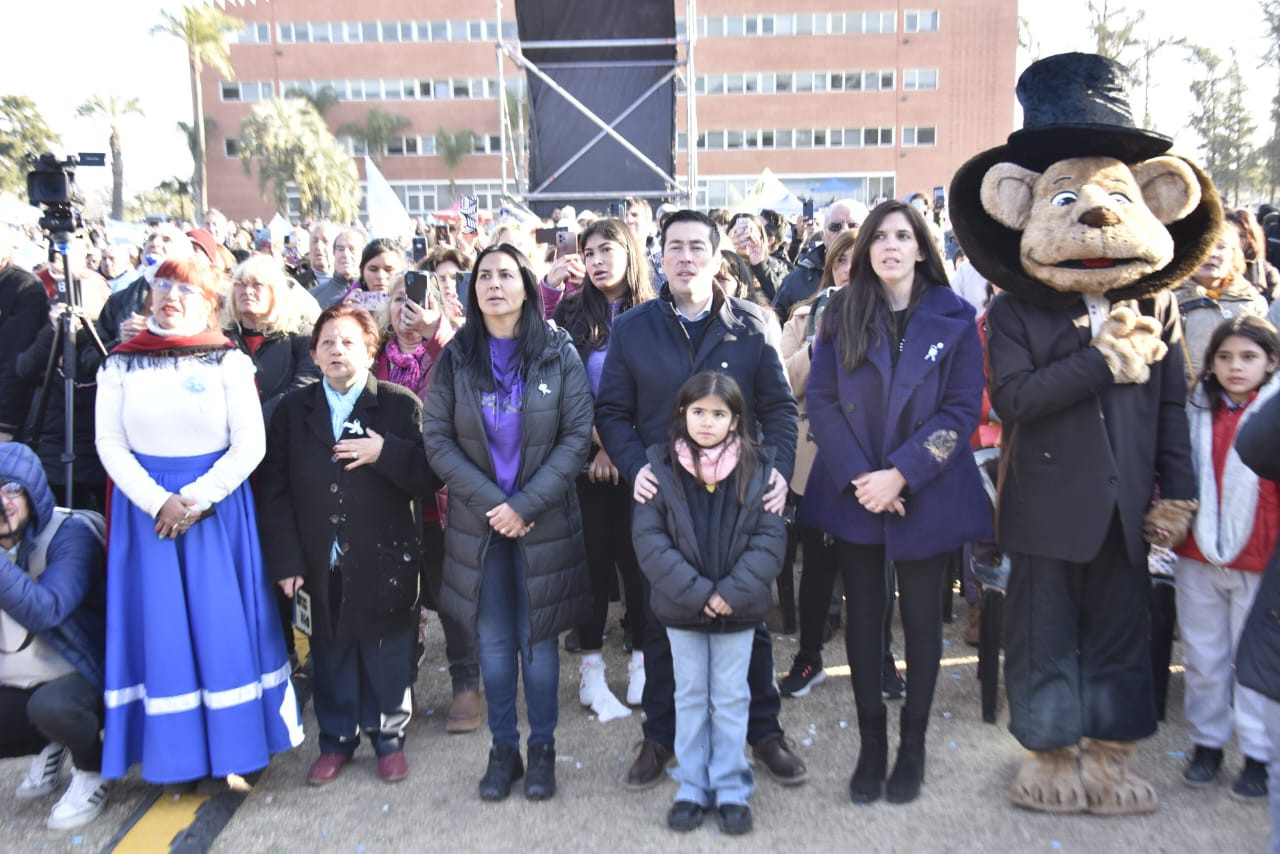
x=734, y=819
x=1252, y=783
x=892, y=685
x=685, y=816
x=1202, y=770
x=802, y=677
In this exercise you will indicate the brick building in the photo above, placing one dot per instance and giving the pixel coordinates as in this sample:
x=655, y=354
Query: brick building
x=888, y=98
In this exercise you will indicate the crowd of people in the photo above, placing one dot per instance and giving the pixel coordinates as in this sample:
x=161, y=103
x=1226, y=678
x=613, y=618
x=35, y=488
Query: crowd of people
x=336, y=437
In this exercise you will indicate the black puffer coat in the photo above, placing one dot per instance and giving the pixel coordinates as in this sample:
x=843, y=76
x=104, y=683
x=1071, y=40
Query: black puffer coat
x=669, y=555
x=1258, y=654
x=557, y=418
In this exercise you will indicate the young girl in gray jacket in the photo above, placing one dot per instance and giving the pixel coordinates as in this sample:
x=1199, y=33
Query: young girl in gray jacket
x=710, y=552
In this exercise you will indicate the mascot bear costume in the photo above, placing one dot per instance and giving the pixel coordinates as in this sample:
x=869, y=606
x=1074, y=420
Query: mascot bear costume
x=1086, y=223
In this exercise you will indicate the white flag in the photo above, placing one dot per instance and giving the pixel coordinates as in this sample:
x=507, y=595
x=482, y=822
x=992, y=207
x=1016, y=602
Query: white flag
x=387, y=214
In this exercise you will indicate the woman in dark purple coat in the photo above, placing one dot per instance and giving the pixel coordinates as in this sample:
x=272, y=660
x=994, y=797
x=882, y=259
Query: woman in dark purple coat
x=894, y=392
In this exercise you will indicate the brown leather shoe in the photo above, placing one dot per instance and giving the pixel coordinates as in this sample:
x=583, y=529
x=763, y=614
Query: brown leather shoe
x=777, y=758
x=325, y=768
x=465, y=712
x=647, y=770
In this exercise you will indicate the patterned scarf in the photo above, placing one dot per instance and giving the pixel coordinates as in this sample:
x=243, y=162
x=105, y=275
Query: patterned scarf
x=405, y=369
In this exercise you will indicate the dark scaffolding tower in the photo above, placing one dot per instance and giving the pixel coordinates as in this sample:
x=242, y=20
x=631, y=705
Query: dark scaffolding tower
x=538, y=185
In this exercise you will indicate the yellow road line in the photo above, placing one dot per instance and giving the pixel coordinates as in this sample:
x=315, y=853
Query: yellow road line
x=168, y=817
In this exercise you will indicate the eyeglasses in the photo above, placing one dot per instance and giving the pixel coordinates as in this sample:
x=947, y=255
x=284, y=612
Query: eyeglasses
x=183, y=289
x=837, y=227
x=12, y=489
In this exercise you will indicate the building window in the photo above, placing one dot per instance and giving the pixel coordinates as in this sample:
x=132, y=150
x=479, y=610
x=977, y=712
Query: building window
x=231, y=146
x=918, y=136
x=254, y=34
x=919, y=79
x=920, y=21
x=877, y=137
x=247, y=91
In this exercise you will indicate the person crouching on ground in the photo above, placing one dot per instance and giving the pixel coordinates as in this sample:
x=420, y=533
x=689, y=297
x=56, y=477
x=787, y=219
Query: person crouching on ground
x=52, y=600
x=710, y=551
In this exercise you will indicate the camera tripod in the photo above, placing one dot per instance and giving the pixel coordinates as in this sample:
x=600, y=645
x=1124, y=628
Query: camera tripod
x=64, y=347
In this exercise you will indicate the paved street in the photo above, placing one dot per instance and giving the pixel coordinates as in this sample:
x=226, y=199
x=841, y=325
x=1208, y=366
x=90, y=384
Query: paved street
x=963, y=806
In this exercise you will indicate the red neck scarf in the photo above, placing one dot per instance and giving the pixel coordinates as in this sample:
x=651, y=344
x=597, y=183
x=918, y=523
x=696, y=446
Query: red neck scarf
x=147, y=341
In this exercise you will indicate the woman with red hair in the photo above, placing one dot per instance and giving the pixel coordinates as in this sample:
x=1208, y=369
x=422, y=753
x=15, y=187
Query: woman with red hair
x=197, y=680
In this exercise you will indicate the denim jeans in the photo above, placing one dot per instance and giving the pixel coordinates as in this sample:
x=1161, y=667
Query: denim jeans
x=502, y=641
x=712, y=703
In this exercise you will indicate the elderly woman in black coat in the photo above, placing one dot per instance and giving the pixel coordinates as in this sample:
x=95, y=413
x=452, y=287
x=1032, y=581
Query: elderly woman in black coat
x=508, y=420
x=340, y=510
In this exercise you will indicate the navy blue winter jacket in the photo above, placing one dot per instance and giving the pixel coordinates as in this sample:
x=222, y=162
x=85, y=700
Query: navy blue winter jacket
x=65, y=605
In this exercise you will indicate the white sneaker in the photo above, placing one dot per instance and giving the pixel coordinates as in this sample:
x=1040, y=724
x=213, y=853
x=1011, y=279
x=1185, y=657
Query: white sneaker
x=635, y=679
x=82, y=801
x=594, y=692
x=44, y=773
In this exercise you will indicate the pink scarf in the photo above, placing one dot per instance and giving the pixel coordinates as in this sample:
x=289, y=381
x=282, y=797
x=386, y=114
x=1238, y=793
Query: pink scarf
x=715, y=463
x=405, y=369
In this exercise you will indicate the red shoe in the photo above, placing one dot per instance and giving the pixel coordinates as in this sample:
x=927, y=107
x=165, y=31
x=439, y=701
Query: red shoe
x=325, y=768
x=393, y=767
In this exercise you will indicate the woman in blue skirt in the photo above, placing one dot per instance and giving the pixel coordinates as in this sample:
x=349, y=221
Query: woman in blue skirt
x=197, y=679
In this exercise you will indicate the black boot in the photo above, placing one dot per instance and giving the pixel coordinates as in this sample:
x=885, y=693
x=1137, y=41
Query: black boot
x=541, y=782
x=867, y=782
x=504, y=769
x=908, y=770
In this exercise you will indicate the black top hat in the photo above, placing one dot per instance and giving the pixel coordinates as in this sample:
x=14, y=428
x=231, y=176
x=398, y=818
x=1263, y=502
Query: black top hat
x=1077, y=105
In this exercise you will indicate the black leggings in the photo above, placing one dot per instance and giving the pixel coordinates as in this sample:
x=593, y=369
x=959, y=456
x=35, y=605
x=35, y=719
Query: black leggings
x=606, y=531
x=866, y=586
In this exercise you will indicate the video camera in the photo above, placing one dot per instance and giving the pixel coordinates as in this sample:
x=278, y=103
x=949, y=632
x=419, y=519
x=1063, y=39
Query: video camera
x=51, y=184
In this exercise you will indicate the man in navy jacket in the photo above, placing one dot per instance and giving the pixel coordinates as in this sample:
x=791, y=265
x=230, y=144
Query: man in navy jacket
x=653, y=349
x=52, y=631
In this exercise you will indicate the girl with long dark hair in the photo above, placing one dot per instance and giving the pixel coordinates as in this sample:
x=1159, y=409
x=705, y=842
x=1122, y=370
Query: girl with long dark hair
x=617, y=278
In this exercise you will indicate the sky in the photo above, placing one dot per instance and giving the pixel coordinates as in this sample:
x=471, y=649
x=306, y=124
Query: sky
x=108, y=49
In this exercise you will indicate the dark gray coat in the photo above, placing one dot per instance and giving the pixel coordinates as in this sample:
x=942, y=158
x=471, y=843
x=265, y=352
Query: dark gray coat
x=1258, y=654
x=667, y=550
x=557, y=417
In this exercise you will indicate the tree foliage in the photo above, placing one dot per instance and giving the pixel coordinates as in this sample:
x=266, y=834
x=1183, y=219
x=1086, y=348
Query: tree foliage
x=1113, y=29
x=1223, y=122
x=451, y=148
x=22, y=132
x=112, y=109
x=1269, y=154
x=322, y=99
x=206, y=31
x=379, y=129
x=171, y=198
x=289, y=143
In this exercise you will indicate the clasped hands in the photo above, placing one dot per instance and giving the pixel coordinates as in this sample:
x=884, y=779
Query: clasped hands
x=717, y=607
x=507, y=522
x=176, y=515
x=881, y=491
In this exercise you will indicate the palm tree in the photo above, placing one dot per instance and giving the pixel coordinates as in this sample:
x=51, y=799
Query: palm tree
x=112, y=109
x=379, y=129
x=293, y=149
x=451, y=148
x=322, y=99
x=206, y=31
